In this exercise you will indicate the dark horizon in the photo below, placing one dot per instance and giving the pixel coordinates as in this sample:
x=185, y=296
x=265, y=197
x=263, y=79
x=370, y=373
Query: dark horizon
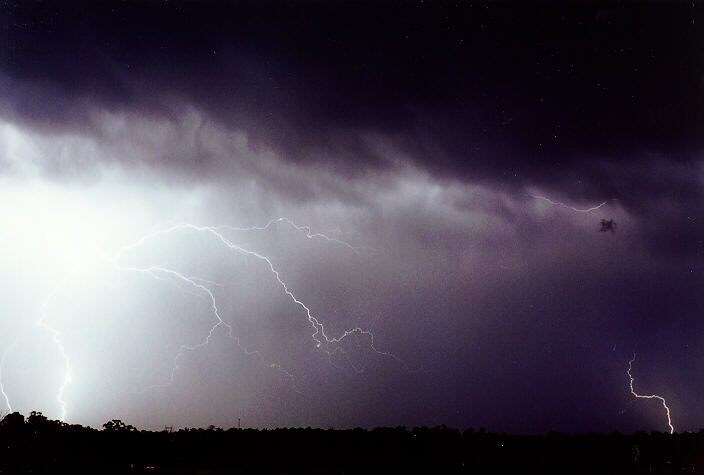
x=39, y=445
x=353, y=213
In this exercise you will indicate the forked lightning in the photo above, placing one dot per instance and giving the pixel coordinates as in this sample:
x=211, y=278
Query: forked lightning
x=651, y=396
x=327, y=344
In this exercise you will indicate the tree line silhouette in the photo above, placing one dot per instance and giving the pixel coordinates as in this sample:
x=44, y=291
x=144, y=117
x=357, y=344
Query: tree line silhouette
x=40, y=445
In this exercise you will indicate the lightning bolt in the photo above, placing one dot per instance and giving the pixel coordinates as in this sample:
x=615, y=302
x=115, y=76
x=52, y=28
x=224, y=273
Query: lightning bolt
x=202, y=287
x=309, y=233
x=2, y=367
x=55, y=334
x=558, y=203
x=651, y=396
x=319, y=336
x=157, y=272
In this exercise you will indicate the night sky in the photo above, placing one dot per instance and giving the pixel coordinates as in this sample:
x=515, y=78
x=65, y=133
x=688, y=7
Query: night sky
x=441, y=170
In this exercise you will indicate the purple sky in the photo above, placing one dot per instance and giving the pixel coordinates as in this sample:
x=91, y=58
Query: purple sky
x=452, y=165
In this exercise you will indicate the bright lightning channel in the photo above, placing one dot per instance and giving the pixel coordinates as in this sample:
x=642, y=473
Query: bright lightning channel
x=319, y=336
x=55, y=334
x=2, y=367
x=651, y=396
x=329, y=345
x=309, y=233
x=156, y=272
x=578, y=210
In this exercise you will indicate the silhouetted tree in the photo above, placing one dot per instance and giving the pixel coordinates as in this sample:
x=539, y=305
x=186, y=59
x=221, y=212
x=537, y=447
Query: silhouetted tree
x=36, y=418
x=13, y=421
x=40, y=445
x=116, y=425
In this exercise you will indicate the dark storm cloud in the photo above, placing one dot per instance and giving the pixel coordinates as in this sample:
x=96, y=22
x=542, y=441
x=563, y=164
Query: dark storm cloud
x=506, y=92
x=592, y=101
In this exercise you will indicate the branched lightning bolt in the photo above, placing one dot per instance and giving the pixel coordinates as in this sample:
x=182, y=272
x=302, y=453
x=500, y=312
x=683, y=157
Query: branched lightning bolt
x=157, y=272
x=319, y=336
x=557, y=203
x=309, y=233
x=651, y=396
x=201, y=287
x=55, y=334
x=369, y=334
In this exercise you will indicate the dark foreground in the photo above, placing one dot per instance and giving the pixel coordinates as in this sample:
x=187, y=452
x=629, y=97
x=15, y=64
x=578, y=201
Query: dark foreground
x=38, y=445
